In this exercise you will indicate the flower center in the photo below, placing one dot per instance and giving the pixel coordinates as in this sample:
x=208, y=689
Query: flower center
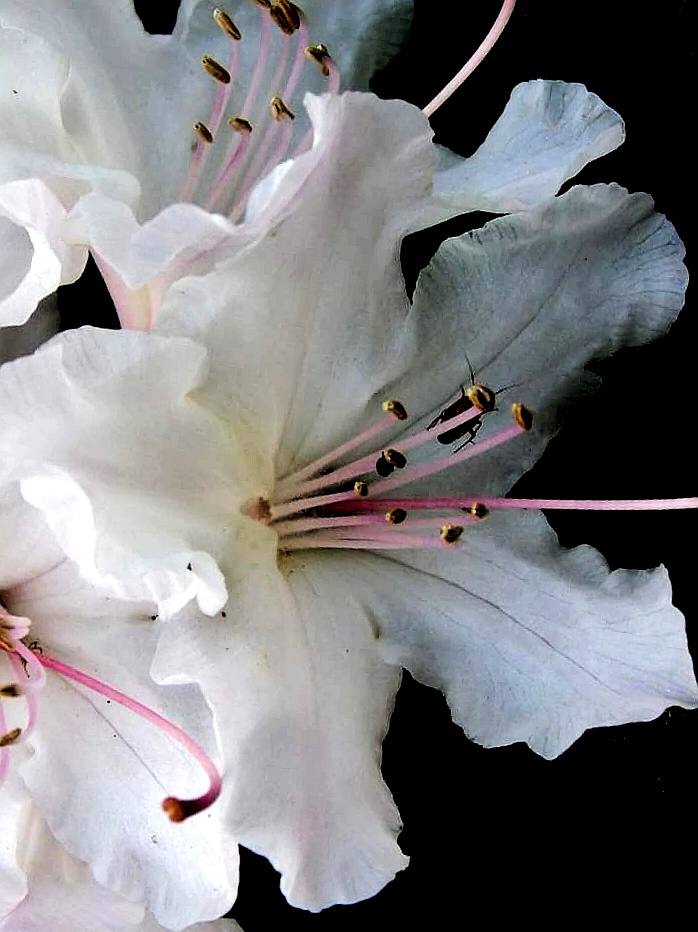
x=344, y=500
x=28, y=664
x=220, y=176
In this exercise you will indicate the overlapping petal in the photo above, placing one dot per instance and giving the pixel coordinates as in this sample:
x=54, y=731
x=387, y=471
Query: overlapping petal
x=95, y=424
x=301, y=727
x=301, y=329
x=548, y=132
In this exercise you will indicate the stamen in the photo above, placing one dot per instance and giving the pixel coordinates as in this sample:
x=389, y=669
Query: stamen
x=450, y=533
x=321, y=56
x=396, y=542
x=474, y=60
x=395, y=411
x=177, y=809
x=11, y=691
x=286, y=15
x=203, y=132
x=428, y=469
x=240, y=125
x=264, y=4
x=480, y=506
x=360, y=489
x=226, y=24
x=280, y=111
x=215, y=70
x=10, y=737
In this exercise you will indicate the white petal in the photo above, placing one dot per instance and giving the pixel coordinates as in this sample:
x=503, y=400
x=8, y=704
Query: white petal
x=548, y=132
x=530, y=299
x=100, y=772
x=528, y=642
x=301, y=327
x=13, y=885
x=130, y=473
x=63, y=896
x=301, y=703
x=34, y=259
x=27, y=546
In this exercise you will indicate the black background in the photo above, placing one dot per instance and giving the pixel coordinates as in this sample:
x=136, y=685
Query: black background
x=600, y=828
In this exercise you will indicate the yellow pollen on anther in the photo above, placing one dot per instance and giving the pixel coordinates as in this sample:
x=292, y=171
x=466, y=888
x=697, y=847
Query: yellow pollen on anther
x=320, y=55
x=361, y=489
x=265, y=4
x=280, y=111
x=286, y=15
x=522, y=415
x=11, y=691
x=482, y=397
x=224, y=22
x=451, y=533
x=396, y=408
x=240, y=125
x=203, y=132
x=10, y=737
x=478, y=510
x=215, y=70
x=396, y=516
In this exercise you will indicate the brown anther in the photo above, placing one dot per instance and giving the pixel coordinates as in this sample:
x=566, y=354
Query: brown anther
x=478, y=510
x=286, y=15
x=265, y=4
x=522, y=415
x=321, y=56
x=396, y=408
x=280, y=111
x=10, y=737
x=240, y=125
x=215, y=69
x=11, y=691
x=258, y=509
x=361, y=489
x=175, y=809
x=483, y=398
x=451, y=533
x=396, y=459
x=224, y=22
x=396, y=516
x=203, y=132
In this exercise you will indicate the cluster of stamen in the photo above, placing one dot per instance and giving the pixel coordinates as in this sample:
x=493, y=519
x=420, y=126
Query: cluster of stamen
x=259, y=137
x=28, y=664
x=332, y=503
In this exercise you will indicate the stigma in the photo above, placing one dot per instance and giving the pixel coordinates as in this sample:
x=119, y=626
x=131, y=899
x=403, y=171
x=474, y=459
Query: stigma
x=234, y=151
x=25, y=665
x=346, y=498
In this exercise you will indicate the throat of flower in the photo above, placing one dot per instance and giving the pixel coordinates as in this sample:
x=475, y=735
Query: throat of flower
x=233, y=151
x=29, y=664
x=340, y=504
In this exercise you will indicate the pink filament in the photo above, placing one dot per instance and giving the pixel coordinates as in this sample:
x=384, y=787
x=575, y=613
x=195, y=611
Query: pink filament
x=177, y=809
x=442, y=504
x=472, y=63
x=428, y=469
x=379, y=427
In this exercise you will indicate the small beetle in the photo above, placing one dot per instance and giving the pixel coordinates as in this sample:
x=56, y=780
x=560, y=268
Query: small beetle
x=477, y=396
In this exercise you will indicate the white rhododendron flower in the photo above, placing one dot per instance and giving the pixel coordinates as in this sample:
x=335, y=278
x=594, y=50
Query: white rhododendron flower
x=292, y=487
x=297, y=420
x=97, y=116
x=95, y=763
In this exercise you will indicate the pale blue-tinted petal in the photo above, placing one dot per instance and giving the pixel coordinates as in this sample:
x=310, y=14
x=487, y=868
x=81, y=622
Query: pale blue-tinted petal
x=529, y=300
x=529, y=642
x=547, y=133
